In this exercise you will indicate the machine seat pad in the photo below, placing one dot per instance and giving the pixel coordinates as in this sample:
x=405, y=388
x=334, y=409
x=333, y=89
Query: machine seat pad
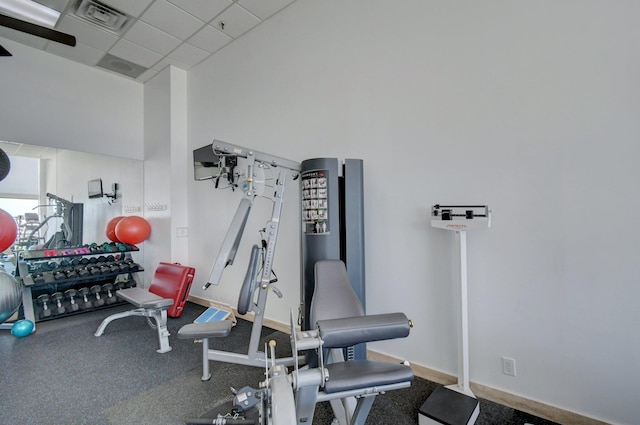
x=355, y=330
x=217, y=329
x=355, y=374
x=142, y=298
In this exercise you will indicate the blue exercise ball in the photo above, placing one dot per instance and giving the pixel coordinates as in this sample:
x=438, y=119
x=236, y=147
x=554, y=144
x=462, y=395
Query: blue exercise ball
x=10, y=296
x=22, y=328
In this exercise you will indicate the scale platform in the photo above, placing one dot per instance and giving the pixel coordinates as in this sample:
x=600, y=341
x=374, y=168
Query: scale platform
x=449, y=407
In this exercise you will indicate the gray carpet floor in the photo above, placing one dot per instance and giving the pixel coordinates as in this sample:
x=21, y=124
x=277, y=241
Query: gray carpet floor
x=63, y=374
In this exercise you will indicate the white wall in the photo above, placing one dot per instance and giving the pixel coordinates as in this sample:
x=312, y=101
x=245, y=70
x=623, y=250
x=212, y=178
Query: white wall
x=51, y=101
x=168, y=166
x=530, y=107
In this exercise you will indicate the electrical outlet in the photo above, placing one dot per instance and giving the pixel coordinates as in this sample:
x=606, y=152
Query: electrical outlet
x=182, y=232
x=509, y=366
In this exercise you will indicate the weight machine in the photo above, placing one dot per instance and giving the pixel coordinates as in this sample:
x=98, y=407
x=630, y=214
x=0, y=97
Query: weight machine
x=70, y=233
x=218, y=161
x=288, y=398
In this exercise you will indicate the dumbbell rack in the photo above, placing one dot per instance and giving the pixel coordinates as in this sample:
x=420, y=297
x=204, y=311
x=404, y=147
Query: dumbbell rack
x=61, y=283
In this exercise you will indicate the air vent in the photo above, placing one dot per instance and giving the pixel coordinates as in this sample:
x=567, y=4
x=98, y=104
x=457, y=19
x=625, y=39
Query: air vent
x=121, y=66
x=102, y=15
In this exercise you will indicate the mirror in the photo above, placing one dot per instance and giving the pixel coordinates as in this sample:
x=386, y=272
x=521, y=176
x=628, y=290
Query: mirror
x=42, y=176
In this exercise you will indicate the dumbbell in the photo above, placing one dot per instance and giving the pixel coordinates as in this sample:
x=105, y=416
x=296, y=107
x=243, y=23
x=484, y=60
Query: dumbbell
x=107, y=288
x=71, y=294
x=85, y=304
x=59, y=275
x=70, y=272
x=44, y=300
x=118, y=285
x=57, y=298
x=95, y=290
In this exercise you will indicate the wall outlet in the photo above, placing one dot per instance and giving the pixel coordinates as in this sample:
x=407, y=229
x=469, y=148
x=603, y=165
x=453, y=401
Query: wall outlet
x=509, y=366
x=182, y=232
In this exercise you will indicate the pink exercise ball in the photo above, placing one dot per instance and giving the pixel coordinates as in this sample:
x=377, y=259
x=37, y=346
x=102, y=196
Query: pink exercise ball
x=133, y=229
x=111, y=229
x=8, y=230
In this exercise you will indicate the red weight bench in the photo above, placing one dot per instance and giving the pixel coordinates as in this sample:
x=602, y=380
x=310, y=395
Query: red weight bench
x=166, y=296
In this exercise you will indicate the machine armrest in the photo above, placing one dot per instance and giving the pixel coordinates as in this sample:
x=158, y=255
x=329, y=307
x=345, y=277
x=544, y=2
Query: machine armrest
x=340, y=333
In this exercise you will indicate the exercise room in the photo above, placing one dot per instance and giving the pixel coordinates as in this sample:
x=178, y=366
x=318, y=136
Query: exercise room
x=319, y=212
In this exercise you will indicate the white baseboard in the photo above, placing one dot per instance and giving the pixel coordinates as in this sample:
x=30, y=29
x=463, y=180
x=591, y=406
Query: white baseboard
x=542, y=410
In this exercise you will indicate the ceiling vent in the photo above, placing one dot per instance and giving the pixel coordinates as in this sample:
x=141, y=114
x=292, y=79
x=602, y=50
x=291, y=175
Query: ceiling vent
x=102, y=15
x=121, y=66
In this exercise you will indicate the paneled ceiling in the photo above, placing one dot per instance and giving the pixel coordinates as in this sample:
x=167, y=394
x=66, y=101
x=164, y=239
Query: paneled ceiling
x=138, y=38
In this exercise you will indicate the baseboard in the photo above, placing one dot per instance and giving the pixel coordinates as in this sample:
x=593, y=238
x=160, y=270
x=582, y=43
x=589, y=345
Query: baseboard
x=533, y=407
x=542, y=410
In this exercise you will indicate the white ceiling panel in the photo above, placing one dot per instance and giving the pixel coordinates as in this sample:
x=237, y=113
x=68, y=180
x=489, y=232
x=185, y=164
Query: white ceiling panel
x=209, y=39
x=235, y=21
x=132, y=7
x=189, y=55
x=263, y=9
x=171, y=19
x=79, y=53
x=205, y=10
x=20, y=37
x=158, y=33
x=133, y=53
x=152, y=38
x=86, y=33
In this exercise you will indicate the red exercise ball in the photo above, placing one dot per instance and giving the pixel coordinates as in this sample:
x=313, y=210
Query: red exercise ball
x=133, y=229
x=8, y=230
x=111, y=229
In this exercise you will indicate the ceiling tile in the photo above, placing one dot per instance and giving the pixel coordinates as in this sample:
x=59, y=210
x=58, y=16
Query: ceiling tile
x=148, y=74
x=20, y=37
x=152, y=38
x=204, y=10
x=189, y=55
x=132, y=7
x=209, y=39
x=59, y=5
x=236, y=21
x=264, y=8
x=169, y=61
x=171, y=19
x=80, y=53
x=133, y=53
x=86, y=33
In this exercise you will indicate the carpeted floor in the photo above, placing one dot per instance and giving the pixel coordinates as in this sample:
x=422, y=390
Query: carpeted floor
x=63, y=374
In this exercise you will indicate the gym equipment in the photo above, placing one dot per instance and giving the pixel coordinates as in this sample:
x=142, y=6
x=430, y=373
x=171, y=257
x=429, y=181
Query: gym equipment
x=70, y=234
x=107, y=288
x=71, y=295
x=218, y=161
x=350, y=386
x=85, y=304
x=332, y=202
x=22, y=328
x=95, y=290
x=57, y=298
x=110, y=231
x=132, y=229
x=8, y=230
x=44, y=300
x=170, y=286
x=456, y=404
x=5, y=166
x=10, y=296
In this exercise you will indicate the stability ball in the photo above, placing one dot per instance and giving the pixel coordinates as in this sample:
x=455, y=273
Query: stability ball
x=8, y=230
x=10, y=295
x=133, y=229
x=111, y=229
x=22, y=328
